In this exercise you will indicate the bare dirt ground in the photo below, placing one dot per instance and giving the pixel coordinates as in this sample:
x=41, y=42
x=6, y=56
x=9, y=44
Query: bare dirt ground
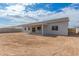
x=22, y=44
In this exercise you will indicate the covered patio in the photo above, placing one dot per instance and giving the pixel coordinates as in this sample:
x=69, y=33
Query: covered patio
x=37, y=29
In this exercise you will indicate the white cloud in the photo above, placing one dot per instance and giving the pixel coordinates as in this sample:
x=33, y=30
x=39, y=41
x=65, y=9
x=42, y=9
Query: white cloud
x=38, y=13
x=30, y=16
x=15, y=9
x=18, y=9
x=14, y=13
x=26, y=4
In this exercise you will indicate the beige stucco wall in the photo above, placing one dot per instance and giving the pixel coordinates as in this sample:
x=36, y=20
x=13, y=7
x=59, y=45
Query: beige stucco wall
x=62, y=28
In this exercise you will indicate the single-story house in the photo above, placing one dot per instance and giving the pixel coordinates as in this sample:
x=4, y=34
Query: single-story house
x=50, y=27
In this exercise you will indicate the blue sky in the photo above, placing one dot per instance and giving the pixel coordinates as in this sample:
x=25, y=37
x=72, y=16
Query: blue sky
x=12, y=14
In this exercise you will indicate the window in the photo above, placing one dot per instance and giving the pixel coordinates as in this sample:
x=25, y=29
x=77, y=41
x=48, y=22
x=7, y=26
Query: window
x=38, y=28
x=28, y=28
x=33, y=30
x=24, y=28
x=55, y=28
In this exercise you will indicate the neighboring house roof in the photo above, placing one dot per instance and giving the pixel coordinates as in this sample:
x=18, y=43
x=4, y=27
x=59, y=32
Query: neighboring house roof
x=65, y=19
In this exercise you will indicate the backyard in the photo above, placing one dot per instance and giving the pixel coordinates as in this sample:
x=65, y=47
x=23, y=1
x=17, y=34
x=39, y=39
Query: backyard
x=22, y=44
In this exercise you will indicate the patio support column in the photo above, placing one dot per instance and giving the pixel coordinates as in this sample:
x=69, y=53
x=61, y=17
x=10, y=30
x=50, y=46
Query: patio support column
x=23, y=29
x=30, y=29
x=42, y=29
